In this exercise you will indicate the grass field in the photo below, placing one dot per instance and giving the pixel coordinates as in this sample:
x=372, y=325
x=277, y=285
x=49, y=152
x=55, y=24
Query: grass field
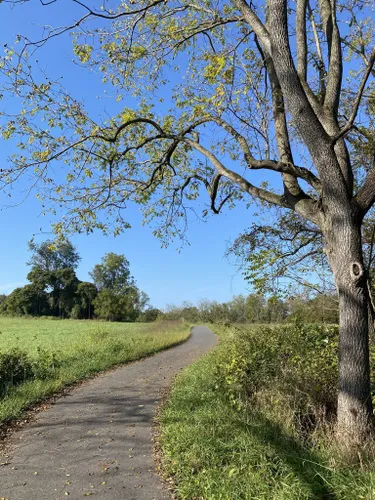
x=57, y=353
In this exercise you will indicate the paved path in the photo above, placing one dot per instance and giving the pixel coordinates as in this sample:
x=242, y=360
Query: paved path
x=96, y=441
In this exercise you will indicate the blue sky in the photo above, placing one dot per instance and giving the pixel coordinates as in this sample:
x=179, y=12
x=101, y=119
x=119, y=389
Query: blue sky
x=199, y=270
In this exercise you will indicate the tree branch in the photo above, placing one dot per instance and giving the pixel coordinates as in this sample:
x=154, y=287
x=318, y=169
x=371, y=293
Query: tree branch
x=301, y=39
x=212, y=190
x=253, y=20
x=244, y=184
x=333, y=90
x=321, y=64
x=315, y=137
x=365, y=197
x=253, y=164
x=357, y=100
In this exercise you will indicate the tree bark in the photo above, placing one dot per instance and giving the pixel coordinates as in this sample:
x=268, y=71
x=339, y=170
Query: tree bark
x=354, y=405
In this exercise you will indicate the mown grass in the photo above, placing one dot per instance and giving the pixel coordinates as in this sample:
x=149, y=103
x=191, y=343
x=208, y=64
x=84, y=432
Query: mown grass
x=62, y=352
x=240, y=425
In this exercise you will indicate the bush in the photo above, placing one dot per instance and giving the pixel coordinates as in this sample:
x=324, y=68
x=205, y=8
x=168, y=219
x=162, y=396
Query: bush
x=77, y=312
x=15, y=368
x=285, y=367
x=149, y=315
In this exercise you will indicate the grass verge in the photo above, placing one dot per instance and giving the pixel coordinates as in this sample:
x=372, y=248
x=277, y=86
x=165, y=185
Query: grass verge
x=235, y=424
x=60, y=353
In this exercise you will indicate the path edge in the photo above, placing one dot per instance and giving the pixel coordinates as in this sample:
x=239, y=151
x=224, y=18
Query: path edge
x=11, y=427
x=159, y=460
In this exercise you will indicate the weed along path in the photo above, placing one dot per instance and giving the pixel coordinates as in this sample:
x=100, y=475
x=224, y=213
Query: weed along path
x=96, y=440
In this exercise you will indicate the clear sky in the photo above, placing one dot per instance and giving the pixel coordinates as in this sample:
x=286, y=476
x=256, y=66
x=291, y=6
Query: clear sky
x=199, y=270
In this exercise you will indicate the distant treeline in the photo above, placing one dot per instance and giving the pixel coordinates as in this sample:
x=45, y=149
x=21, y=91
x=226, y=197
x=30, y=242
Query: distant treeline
x=54, y=289
x=256, y=308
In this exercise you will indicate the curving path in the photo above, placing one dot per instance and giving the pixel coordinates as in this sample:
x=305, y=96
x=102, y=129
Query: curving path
x=96, y=441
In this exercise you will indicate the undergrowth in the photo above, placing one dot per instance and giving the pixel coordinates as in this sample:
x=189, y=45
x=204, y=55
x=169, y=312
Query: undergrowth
x=253, y=419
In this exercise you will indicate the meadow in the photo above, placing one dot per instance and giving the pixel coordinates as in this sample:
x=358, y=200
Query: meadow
x=39, y=357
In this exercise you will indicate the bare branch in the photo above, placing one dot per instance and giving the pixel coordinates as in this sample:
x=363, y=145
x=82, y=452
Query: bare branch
x=119, y=14
x=244, y=184
x=212, y=190
x=253, y=164
x=357, y=100
x=333, y=90
x=321, y=64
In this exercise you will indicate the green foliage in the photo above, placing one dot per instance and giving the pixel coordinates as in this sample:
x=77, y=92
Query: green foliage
x=28, y=300
x=297, y=361
x=251, y=420
x=3, y=303
x=53, y=255
x=118, y=298
x=15, y=368
x=149, y=315
x=55, y=289
x=113, y=273
x=113, y=306
x=85, y=294
x=257, y=308
x=322, y=308
x=45, y=364
x=281, y=252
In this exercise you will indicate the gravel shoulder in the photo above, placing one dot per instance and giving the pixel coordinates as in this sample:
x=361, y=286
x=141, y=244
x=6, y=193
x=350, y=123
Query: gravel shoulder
x=96, y=440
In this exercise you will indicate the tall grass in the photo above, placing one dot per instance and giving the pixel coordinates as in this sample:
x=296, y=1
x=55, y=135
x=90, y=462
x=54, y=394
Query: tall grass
x=251, y=420
x=46, y=355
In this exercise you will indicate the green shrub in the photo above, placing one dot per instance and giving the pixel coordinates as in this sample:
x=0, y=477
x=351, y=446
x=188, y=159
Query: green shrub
x=15, y=368
x=45, y=365
x=288, y=366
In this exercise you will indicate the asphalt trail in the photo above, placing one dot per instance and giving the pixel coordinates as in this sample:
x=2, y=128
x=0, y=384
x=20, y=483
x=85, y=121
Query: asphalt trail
x=96, y=440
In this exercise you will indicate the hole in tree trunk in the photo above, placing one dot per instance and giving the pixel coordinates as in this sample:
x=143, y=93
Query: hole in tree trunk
x=356, y=270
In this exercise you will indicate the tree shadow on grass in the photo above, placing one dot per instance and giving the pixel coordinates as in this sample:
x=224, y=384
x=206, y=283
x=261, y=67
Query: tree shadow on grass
x=305, y=464
x=280, y=453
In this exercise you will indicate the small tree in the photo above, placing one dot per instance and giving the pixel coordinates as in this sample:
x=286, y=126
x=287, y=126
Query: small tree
x=114, y=306
x=255, y=308
x=3, y=303
x=118, y=297
x=61, y=286
x=149, y=315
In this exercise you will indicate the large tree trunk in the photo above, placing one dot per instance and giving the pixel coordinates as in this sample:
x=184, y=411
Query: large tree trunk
x=354, y=410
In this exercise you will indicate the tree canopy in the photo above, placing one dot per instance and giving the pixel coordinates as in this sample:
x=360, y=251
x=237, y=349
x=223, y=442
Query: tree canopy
x=113, y=273
x=53, y=255
x=224, y=85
